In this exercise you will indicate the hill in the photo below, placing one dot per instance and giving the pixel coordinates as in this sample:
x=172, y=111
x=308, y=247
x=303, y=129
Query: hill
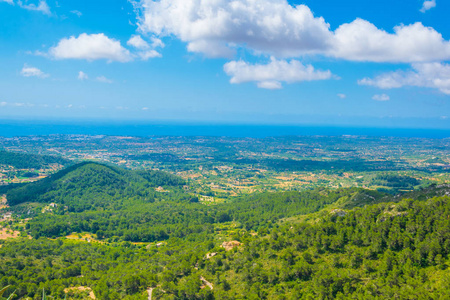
x=30, y=161
x=91, y=185
x=118, y=204
x=380, y=251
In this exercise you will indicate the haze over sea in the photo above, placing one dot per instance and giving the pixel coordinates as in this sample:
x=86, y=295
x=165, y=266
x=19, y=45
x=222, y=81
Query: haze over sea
x=26, y=128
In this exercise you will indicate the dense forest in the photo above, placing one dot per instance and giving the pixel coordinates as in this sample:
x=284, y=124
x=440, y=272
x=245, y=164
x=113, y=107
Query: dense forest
x=388, y=251
x=120, y=204
x=382, y=251
x=147, y=233
x=396, y=182
x=29, y=161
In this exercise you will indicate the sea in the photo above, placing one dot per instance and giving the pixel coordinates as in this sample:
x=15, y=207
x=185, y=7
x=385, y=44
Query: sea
x=15, y=128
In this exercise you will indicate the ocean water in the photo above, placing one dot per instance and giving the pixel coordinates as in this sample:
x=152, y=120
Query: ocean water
x=27, y=128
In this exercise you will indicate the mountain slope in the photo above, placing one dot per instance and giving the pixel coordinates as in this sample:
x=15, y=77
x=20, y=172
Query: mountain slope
x=91, y=185
x=382, y=251
x=29, y=161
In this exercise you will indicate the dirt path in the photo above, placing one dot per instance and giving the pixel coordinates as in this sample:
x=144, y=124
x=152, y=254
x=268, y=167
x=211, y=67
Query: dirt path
x=206, y=282
x=150, y=292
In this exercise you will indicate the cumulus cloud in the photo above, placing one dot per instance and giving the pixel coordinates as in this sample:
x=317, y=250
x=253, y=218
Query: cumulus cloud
x=427, y=5
x=274, y=27
x=270, y=76
x=82, y=76
x=157, y=43
x=382, y=97
x=90, y=47
x=28, y=71
x=104, y=79
x=41, y=7
x=145, y=55
x=146, y=50
x=136, y=41
x=363, y=41
x=215, y=28
x=429, y=75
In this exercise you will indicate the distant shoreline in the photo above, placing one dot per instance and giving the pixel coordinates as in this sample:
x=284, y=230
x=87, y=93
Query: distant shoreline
x=28, y=128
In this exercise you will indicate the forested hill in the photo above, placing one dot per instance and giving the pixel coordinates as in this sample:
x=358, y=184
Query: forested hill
x=120, y=204
x=30, y=161
x=361, y=244
x=88, y=185
x=381, y=251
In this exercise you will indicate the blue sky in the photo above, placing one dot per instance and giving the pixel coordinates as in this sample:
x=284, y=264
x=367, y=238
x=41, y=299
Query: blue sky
x=362, y=63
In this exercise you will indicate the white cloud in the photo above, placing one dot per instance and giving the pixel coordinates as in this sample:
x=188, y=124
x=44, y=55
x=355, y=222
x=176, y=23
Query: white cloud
x=137, y=42
x=427, y=5
x=382, y=97
x=363, y=41
x=41, y=7
x=147, y=50
x=28, y=71
x=215, y=28
x=145, y=55
x=430, y=75
x=104, y=79
x=82, y=76
x=3, y=103
x=157, y=43
x=274, y=27
x=342, y=96
x=269, y=85
x=77, y=12
x=271, y=75
x=90, y=47
x=9, y=2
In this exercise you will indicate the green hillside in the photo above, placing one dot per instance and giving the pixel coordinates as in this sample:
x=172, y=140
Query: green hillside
x=315, y=244
x=119, y=204
x=382, y=251
x=91, y=186
x=29, y=161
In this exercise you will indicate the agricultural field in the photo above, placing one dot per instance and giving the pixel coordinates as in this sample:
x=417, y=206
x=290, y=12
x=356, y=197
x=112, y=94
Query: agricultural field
x=220, y=167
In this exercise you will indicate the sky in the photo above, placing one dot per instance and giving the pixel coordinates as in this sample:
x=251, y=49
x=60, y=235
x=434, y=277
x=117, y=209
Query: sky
x=358, y=63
